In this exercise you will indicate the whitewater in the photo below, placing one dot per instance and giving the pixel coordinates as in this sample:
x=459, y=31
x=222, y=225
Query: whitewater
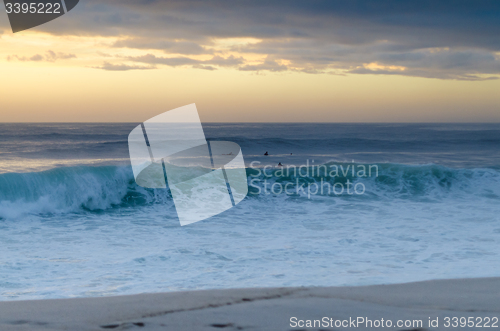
x=73, y=223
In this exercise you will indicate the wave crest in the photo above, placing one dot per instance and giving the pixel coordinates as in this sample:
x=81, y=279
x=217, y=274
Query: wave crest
x=95, y=189
x=71, y=189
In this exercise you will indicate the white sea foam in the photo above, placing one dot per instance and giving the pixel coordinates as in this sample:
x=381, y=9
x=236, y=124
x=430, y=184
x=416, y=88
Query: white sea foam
x=399, y=231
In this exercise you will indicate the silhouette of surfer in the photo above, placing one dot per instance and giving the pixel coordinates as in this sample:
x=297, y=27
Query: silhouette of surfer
x=280, y=165
x=266, y=153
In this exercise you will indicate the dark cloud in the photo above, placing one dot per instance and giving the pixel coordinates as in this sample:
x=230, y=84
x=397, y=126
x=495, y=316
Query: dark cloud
x=50, y=56
x=421, y=73
x=419, y=23
x=173, y=47
x=449, y=39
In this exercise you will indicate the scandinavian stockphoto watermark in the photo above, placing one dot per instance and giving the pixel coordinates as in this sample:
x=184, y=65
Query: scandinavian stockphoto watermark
x=309, y=179
x=204, y=178
x=26, y=14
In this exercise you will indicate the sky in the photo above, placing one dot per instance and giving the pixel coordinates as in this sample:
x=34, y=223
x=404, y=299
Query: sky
x=256, y=61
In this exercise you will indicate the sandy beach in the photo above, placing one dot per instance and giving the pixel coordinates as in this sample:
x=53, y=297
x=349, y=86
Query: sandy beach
x=267, y=308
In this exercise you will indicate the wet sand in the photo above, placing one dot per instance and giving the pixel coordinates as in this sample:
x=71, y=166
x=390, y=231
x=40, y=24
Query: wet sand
x=267, y=308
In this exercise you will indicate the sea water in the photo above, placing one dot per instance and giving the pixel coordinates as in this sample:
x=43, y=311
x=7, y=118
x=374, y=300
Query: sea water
x=73, y=223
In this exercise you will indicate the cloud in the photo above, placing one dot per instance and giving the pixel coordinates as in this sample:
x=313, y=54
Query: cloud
x=448, y=39
x=199, y=66
x=183, y=61
x=454, y=22
x=267, y=65
x=102, y=54
x=122, y=67
x=171, y=47
x=169, y=61
x=53, y=56
x=439, y=63
x=421, y=73
x=50, y=56
x=230, y=61
x=34, y=58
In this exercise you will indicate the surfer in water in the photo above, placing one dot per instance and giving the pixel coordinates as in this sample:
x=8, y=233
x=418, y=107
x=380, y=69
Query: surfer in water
x=266, y=153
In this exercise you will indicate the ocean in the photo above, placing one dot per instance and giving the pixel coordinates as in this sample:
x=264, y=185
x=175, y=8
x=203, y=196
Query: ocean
x=353, y=204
